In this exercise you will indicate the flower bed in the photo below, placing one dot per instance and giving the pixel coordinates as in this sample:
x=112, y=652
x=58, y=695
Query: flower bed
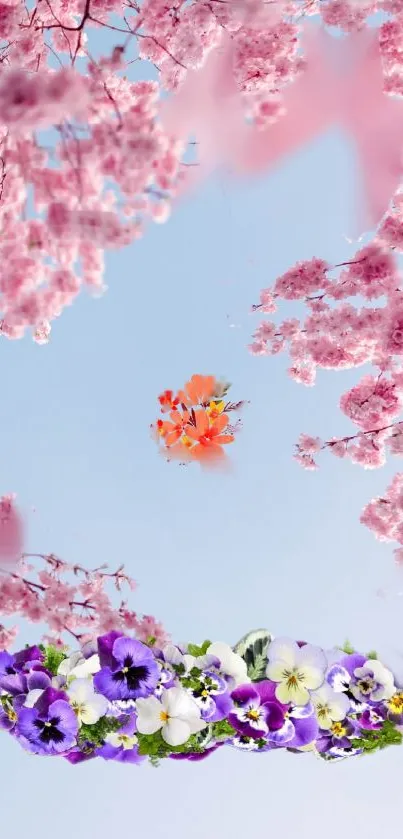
x=122, y=699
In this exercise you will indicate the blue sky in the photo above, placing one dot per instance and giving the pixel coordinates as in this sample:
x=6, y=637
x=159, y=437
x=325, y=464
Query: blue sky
x=215, y=555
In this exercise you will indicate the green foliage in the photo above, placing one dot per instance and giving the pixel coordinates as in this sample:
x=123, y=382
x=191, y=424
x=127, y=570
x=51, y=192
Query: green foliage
x=253, y=648
x=372, y=655
x=222, y=730
x=371, y=741
x=96, y=733
x=347, y=648
x=156, y=748
x=196, y=651
x=151, y=640
x=53, y=657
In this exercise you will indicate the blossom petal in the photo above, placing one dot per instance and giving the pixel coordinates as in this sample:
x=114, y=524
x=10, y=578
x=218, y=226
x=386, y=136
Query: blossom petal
x=284, y=650
x=149, y=715
x=176, y=732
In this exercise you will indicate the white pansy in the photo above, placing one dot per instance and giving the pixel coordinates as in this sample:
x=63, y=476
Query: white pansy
x=297, y=670
x=373, y=681
x=78, y=667
x=330, y=706
x=231, y=663
x=175, y=714
x=116, y=739
x=88, y=705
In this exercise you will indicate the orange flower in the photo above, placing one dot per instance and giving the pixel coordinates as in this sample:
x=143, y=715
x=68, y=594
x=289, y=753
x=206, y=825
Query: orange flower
x=167, y=401
x=172, y=430
x=198, y=390
x=207, y=434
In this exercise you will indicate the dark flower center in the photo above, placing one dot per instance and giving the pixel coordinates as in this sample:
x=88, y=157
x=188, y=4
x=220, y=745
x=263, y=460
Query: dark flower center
x=10, y=670
x=132, y=675
x=49, y=731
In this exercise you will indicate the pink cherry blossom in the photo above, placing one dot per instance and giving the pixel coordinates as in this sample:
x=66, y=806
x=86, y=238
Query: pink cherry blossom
x=372, y=403
x=79, y=607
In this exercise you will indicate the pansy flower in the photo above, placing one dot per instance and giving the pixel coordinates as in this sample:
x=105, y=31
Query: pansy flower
x=338, y=735
x=372, y=682
x=128, y=668
x=122, y=745
x=257, y=713
x=372, y=719
x=76, y=666
x=14, y=669
x=212, y=697
x=50, y=727
x=330, y=706
x=176, y=715
x=394, y=707
x=365, y=680
x=296, y=670
x=88, y=705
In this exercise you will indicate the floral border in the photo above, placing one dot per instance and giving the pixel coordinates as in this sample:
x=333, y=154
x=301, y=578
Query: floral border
x=121, y=699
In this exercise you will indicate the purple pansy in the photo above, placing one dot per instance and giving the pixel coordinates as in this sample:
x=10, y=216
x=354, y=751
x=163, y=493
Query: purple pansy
x=213, y=697
x=14, y=669
x=122, y=744
x=257, y=712
x=259, y=715
x=338, y=736
x=129, y=669
x=50, y=727
x=372, y=719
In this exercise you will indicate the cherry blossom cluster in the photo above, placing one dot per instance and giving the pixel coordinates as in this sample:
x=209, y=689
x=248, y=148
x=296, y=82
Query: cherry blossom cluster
x=79, y=605
x=354, y=317
x=126, y=700
x=85, y=161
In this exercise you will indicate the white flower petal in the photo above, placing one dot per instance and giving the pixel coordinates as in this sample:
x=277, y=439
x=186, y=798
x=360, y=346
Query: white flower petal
x=149, y=715
x=178, y=703
x=296, y=694
x=99, y=706
x=172, y=654
x=285, y=650
x=231, y=663
x=81, y=690
x=313, y=676
x=175, y=732
x=67, y=664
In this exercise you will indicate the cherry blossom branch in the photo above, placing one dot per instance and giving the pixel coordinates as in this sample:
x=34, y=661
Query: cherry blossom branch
x=82, y=609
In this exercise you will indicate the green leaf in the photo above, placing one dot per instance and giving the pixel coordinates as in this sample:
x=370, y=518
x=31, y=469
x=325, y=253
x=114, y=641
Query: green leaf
x=222, y=730
x=96, y=733
x=347, y=648
x=193, y=649
x=370, y=741
x=151, y=640
x=372, y=655
x=253, y=648
x=155, y=746
x=53, y=657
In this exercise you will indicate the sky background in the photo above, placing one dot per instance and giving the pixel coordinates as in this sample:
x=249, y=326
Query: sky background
x=215, y=555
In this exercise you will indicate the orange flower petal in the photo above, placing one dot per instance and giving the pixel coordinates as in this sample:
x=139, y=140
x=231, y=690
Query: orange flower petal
x=220, y=422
